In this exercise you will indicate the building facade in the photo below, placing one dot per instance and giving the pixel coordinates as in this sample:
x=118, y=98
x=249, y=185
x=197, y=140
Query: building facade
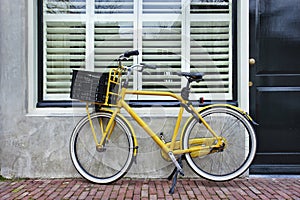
x=42, y=41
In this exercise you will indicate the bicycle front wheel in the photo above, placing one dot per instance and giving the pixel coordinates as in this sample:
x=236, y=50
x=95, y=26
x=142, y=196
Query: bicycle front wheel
x=240, y=145
x=106, y=164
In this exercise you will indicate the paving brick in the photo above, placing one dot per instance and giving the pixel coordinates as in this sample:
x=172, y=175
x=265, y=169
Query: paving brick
x=153, y=197
x=129, y=193
x=99, y=194
x=156, y=189
x=136, y=197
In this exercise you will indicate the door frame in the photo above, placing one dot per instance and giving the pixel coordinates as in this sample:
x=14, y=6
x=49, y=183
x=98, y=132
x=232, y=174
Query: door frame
x=243, y=54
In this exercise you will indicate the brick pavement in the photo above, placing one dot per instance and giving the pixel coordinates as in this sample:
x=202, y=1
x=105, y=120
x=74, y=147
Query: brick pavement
x=250, y=188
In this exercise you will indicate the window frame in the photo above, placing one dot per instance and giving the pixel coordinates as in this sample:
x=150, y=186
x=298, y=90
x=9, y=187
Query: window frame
x=137, y=103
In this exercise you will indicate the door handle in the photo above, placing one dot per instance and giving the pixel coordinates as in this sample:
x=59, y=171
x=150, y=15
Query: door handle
x=252, y=61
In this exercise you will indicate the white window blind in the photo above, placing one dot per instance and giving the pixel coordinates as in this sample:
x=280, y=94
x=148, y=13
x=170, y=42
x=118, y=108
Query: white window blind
x=114, y=25
x=64, y=6
x=161, y=44
x=114, y=6
x=210, y=55
x=175, y=35
x=161, y=7
x=65, y=48
x=64, y=45
x=162, y=47
x=111, y=39
x=211, y=47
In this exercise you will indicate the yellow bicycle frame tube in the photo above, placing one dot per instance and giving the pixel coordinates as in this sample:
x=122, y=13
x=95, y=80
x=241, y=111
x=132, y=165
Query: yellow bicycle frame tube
x=146, y=127
x=108, y=130
x=122, y=103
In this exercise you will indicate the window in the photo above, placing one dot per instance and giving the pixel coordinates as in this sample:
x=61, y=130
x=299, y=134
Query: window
x=175, y=35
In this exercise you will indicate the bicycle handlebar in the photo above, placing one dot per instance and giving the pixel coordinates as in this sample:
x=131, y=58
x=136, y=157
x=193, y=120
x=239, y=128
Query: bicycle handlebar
x=127, y=54
x=129, y=69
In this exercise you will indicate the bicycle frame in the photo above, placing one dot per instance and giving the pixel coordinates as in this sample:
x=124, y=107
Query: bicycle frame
x=166, y=147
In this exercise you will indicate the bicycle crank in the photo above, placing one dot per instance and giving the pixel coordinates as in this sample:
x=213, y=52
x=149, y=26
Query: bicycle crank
x=219, y=147
x=100, y=148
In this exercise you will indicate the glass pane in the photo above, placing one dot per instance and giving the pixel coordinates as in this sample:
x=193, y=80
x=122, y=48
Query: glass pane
x=65, y=6
x=173, y=37
x=161, y=6
x=209, y=6
x=210, y=45
x=65, y=50
x=110, y=40
x=162, y=47
x=113, y=6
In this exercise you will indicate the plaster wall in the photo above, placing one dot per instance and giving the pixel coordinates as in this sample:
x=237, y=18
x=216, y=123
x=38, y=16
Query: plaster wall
x=37, y=145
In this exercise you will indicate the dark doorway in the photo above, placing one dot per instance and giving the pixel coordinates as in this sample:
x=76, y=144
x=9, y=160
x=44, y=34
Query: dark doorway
x=275, y=80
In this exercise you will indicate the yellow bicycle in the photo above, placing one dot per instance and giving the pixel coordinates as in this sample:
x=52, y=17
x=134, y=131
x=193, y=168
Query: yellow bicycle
x=218, y=141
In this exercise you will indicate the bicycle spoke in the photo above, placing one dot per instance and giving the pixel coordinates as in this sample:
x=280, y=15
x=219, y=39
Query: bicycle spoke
x=102, y=164
x=238, y=152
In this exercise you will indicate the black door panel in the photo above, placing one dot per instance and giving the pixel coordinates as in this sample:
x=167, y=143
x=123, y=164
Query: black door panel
x=275, y=94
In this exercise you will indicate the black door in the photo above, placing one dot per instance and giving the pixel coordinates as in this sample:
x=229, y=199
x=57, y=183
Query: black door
x=275, y=80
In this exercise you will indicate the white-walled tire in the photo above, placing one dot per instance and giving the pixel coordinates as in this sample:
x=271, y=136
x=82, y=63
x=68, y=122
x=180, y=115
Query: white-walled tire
x=106, y=165
x=240, y=145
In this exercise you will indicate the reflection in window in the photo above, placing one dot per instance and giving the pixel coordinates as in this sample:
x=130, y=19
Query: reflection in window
x=113, y=6
x=209, y=6
x=65, y=6
x=175, y=35
x=164, y=6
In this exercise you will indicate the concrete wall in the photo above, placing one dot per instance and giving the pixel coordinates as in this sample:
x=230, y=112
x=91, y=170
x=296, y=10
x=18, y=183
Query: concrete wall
x=29, y=146
x=13, y=80
x=37, y=145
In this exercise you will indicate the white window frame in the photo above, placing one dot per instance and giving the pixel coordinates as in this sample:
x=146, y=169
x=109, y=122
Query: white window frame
x=32, y=46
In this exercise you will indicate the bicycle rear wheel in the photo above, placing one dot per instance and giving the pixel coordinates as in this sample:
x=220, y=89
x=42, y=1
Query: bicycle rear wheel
x=240, y=145
x=107, y=164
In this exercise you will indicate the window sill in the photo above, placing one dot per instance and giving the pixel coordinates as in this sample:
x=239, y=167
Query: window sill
x=80, y=112
x=56, y=112
x=142, y=109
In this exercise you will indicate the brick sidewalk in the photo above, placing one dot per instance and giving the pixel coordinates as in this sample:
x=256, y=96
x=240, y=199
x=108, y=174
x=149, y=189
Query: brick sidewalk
x=252, y=188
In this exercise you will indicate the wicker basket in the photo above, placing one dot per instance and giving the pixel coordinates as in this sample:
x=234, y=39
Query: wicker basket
x=95, y=87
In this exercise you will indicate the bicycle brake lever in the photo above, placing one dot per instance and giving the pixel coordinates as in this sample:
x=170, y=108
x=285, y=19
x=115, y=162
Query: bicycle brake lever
x=122, y=58
x=148, y=66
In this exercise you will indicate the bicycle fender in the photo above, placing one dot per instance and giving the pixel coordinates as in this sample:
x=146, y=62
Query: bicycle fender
x=244, y=113
x=135, y=151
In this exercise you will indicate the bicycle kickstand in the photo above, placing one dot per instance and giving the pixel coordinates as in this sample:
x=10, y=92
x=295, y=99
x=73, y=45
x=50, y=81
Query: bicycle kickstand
x=174, y=175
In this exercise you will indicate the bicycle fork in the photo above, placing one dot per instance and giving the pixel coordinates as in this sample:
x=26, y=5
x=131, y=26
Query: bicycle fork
x=105, y=133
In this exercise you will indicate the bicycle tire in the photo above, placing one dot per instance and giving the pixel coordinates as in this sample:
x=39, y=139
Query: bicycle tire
x=112, y=162
x=240, y=146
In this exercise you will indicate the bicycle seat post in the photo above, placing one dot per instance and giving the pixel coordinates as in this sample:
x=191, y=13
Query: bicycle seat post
x=185, y=91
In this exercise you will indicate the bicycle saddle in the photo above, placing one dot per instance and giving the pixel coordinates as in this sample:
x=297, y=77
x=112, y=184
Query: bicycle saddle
x=193, y=76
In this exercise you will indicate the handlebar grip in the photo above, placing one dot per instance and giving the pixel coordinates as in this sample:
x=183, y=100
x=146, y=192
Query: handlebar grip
x=127, y=54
